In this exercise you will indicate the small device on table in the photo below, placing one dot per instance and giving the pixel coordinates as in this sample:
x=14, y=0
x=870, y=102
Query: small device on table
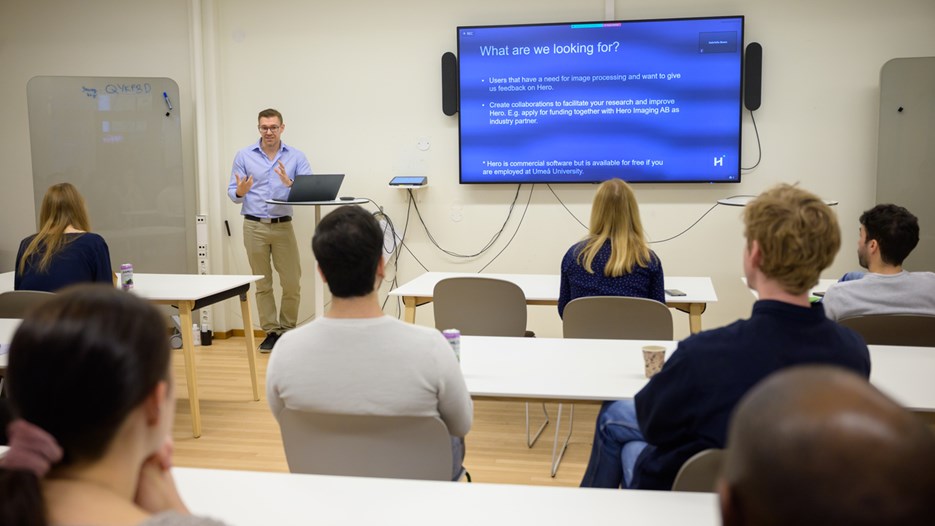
x=409, y=180
x=674, y=292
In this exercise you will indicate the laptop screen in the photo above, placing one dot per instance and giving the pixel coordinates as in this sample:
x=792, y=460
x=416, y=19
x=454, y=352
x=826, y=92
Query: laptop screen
x=316, y=187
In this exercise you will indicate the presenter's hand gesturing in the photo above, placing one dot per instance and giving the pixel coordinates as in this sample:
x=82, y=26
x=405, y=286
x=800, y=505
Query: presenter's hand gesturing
x=243, y=184
x=281, y=171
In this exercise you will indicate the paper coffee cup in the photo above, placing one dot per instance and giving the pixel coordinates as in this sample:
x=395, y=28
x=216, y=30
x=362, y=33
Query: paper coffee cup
x=653, y=357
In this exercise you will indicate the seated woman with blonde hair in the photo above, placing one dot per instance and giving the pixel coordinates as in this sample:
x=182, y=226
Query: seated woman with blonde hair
x=614, y=259
x=64, y=252
x=90, y=388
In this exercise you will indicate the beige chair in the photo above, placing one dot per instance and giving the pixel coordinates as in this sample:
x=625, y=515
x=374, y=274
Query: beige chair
x=617, y=318
x=894, y=329
x=15, y=303
x=609, y=318
x=479, y=306
x=405, y=447
x=700, y=473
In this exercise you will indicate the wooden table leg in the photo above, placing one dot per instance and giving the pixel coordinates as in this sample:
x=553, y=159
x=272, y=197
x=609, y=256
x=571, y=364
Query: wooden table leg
x=409, y=315
x=694, y=316
x=191, y=375
x=250, y=342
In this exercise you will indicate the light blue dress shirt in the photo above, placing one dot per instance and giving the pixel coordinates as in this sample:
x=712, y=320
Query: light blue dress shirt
x=266, y=183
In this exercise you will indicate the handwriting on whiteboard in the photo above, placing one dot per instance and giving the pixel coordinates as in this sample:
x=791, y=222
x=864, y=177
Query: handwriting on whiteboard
x=118, y=89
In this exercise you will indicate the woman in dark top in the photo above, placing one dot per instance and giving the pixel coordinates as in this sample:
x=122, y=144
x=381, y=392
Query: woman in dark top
x=617, y=248
x=63, y=252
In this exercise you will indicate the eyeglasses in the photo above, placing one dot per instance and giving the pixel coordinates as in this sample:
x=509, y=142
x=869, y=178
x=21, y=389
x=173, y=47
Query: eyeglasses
x=264, y=129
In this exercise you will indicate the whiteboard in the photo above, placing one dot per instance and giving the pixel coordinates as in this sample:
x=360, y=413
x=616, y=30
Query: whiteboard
x=906, y=156
x=118, y=142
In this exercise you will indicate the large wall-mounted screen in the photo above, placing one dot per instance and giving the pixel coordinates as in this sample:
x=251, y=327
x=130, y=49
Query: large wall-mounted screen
x=642, y=100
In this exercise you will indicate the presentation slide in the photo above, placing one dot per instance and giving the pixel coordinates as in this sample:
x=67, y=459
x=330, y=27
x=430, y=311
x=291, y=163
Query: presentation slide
x=645, y=101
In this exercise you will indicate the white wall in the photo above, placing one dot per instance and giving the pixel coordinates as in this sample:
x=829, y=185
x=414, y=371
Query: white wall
x=359, y=87
x=92, y=38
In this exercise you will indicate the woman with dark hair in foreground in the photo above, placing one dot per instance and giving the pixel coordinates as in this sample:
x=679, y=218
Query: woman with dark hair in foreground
x=89, y=385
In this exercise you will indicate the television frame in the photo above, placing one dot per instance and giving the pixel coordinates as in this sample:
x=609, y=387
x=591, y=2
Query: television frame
x=725, y=88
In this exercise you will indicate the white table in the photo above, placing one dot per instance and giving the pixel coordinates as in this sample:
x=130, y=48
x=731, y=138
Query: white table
x=905, y=374
x=561, y=369
x=574, y=370
x=319, y=284
x=244, y=498
x=543, y=289
x=554, y=369
x=248, y=498
x=191, y=292
x=821, y=287
x=7, y=328
x=6, y=281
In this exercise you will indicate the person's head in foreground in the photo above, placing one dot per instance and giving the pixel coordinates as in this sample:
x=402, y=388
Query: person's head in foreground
x=792, y=236
x=615, y=216
x=819, y=445
x=888, y=234
x=88, y=382
x=348, y=245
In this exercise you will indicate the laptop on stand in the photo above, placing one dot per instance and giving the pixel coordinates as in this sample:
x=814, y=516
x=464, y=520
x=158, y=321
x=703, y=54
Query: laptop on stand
x=313, y=188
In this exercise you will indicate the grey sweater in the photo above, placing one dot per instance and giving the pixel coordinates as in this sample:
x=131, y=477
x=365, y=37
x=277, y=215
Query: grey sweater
x=375, y=366
x=903, y=293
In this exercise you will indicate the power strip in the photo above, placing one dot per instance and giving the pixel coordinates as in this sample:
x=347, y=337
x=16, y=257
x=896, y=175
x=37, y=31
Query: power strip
x=201, y=242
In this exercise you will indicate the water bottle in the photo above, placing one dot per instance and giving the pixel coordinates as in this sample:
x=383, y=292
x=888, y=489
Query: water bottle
x=126, y=276
x=196, y=334
x=454, y=339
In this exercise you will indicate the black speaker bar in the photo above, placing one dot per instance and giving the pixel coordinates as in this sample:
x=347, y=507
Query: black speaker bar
x=752, y=76
x=449, y=83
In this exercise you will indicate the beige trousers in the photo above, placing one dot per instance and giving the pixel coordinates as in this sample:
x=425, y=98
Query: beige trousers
x=265, y=241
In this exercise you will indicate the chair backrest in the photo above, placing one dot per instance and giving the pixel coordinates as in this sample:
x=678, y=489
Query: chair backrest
x=894, y=329
x=480, y=306
x=15, y=303
x=405, y=447
x=617, y=318
x=700, y=472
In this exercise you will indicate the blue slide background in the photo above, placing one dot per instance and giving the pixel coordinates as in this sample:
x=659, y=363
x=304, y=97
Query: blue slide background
x=707, y=94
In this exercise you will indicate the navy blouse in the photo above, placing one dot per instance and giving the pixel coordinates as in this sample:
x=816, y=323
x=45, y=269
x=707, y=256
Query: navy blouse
x=85, y=258
x=641, y=282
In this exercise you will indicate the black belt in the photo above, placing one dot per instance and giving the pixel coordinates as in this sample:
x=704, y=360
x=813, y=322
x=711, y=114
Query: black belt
x=274, y=220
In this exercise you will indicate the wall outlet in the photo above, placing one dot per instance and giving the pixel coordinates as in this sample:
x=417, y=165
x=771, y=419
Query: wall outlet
x=201, y=233
x=201, y=249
